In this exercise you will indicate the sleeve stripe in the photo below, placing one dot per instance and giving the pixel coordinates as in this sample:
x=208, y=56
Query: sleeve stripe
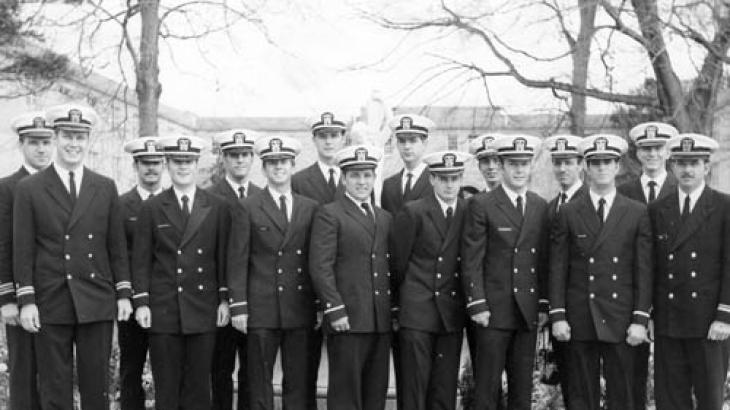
x=330, y=310
x=724, y=308
x=476, y=302
x=640, y=313
x=223, y=289
x=558, y=310
x=238, y=304
x=140, y=295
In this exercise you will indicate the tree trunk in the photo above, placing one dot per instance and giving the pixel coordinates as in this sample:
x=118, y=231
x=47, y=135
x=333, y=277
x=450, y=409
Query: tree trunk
x=148, y=71
x=581, y=59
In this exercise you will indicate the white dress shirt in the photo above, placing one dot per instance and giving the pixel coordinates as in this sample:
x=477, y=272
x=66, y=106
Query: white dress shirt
x=326, y=171
x=644, y=179
x=445, y=205
x=145, y=194
x=415, y=172
x=358, y=203
x=609, y=198
x=190, y=192
x=288, y=199
x=235, y=185
x=694, y=196
x=63, y=173
x=512, y=195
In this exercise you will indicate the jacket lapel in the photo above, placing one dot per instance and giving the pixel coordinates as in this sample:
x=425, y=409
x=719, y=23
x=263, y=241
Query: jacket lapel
x=295, y=212
x=529, y=216
x=271, y=209
x=703, y=208
x=437, y=216
x=316, y=179
x=358, y=215
x=588, y=215
x=615, y=214
x=505, y=204
x=56, y=189
x=86, y=196
x=421, y=184
x=669, y=185
x=201, y=208
x=453, y=231
x=171, y=209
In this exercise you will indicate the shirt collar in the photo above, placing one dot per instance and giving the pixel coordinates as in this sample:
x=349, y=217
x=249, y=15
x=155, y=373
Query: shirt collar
x=416, y=172
x=358, y=203
x=276, y=194
x=659, y=179
x=444, y=205
x=145, y=194
x=190, y=192
x=326, y=170
x=694, y=196
x=235, y=185
x=609, y=197
x=513, y=195
x=30, y=170
x=573, y=189
x=63, y=173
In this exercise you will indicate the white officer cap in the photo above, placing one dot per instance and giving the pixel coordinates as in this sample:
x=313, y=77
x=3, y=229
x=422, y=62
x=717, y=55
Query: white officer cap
x=358, y=156
x=183, y=145
x=517, y=145
x=652, y=133
x=72, y=116
x=32, y=124
x=691, y=145
x=277, y=147
x=235, y=138
x=147, y=147
x=411, y=124
x=446, y=162
x=483, y=145
x=327, y=120
x=563, y=146
x=603, y=146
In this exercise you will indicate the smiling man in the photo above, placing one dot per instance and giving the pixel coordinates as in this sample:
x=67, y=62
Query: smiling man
x=482, y=147
x=692, y=287
x=600, y=281
x=70, y=264
x=35, y=140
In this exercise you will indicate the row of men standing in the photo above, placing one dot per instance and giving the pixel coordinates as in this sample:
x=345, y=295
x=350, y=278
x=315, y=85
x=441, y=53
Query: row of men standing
x=257, y=274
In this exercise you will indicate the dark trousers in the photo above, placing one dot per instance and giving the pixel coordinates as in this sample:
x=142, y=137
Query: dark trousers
x=263, y=345
x=686, y=366
x=641, y=374
x=133, y=345
x=585, y=360
x=315, y=356
x=500, y=350
x=23, y=370
x=431, y=362
x=358, y=370
x=55, y=353
x=181, y=370
x=560, y=352
x=228, y=341
x=397, y=372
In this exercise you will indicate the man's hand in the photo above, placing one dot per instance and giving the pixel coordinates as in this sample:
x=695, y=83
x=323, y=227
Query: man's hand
x=719, y=331
x=240, y=323
x=561, y=330
x=124, y=309
x=319, y=319
x=224, y=315
x=143, y=316
x=636, y=335
x=10, y=314
x=341, y=325
x=482, y=318
x=542, y=320
x=30, y=318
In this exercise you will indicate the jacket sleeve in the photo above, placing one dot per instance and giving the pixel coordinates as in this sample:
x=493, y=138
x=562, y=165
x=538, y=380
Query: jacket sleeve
x=239, y=247
x=643, y=270
x=473, y=247
x=723, y=307
x=322, y=258
x=559, y=266
x=117, y=245
x=143, y=256
x=543, y=267
x=403, y=234
x=7, y=284
x=24, y=250
x=225, y=232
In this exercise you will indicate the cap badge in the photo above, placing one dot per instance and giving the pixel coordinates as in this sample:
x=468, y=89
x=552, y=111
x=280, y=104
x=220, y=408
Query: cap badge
x=275, y=145
x=561, y=144
x=449, y=160
x=600, y=144
x=361, y=154
x=487, y=141
x=183, y=144
x=688, y=144
x=651, y=131
x=519, y=144
x=238, y=138
x=74, y=115
x=39, y=122
x=150, y=146
x=327, y=118
x=406, y=123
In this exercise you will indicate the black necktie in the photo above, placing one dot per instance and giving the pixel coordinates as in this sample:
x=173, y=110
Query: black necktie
x=407, y=190
x=685, y=209
x=72, y=186
x=185, y=208
x=563, y=198
x=369, y=213
x=331, y=182
x=150, y=195
x=652, y=191
x=282, y=206
x=449, y=216
x=601, y=209
x=241, y=192
x=519, y=205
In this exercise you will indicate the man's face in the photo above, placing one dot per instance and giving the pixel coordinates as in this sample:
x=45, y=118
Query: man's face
x=602, y=171
x=651, y=157
x=71, y=147
x=359, y=182
x=446, y=187
x=237, y=163
x=490, y=169
x=516, y=172
x=411, y=147
x=183, y=170
x=690, y=172
x=149, y=170
x=37, y=151
x=328, y=141
x=566, y=171
x=278, y=171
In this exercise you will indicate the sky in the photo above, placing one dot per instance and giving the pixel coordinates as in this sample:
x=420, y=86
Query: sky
x=323, y=54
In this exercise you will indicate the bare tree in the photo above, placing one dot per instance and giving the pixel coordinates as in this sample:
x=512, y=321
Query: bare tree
x=703, y=26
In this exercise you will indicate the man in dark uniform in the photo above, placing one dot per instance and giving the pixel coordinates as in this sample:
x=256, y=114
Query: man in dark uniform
x=35, y=144
x=567, y=165
x=321, y=182
x=691, y=231
x=349, y=265
x=235, y=148
x=504, y=250
x=179, y=274
x=133, y=340
x=70, y=265
x=271, y=292
x=487, y=160
x=425, y=245
x=600, y=281
x=650, y=139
